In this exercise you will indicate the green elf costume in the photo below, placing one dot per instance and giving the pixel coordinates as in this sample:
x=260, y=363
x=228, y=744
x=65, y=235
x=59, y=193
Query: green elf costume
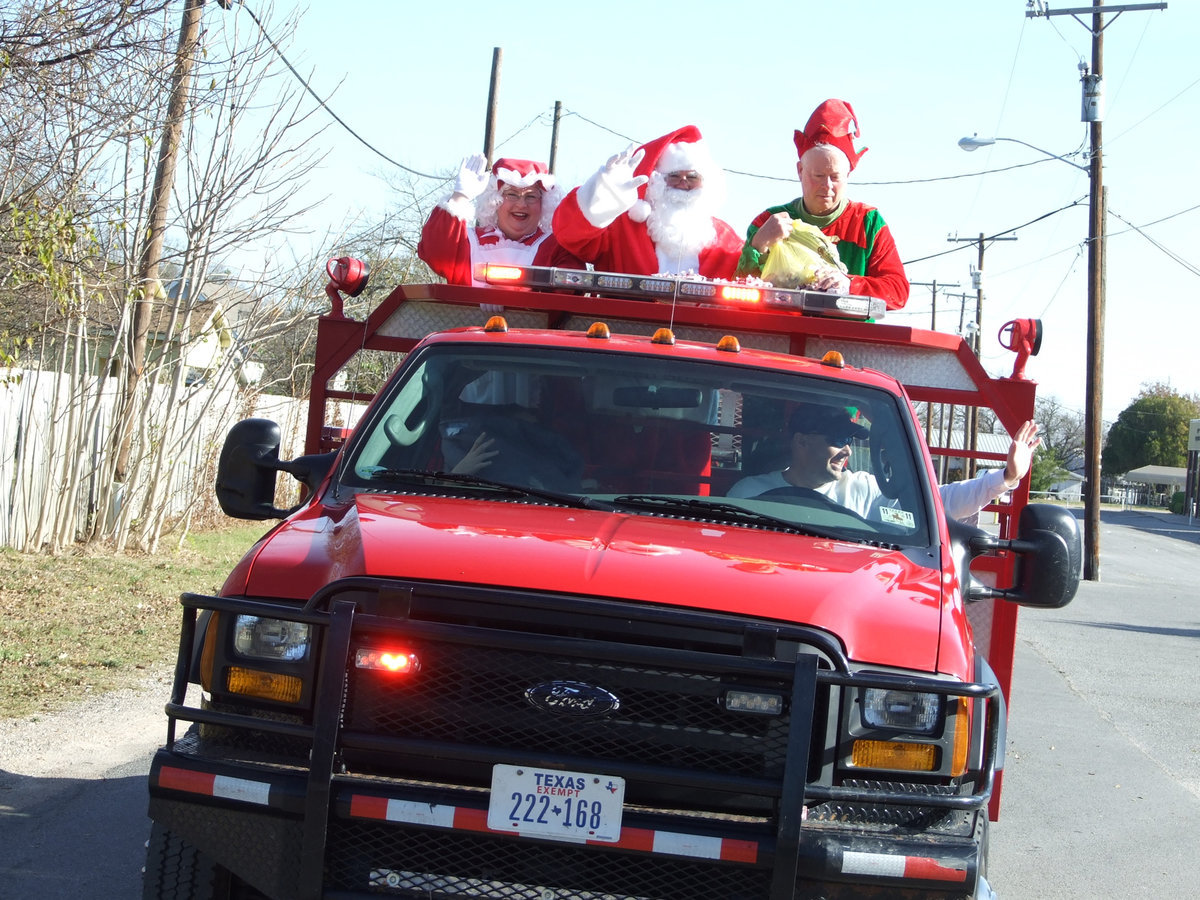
x=863, y=239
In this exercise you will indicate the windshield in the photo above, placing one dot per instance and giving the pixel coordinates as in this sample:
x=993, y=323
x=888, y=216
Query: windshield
x=648, y=435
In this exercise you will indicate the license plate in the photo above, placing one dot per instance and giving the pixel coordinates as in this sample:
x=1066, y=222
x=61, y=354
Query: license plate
x=563, y=806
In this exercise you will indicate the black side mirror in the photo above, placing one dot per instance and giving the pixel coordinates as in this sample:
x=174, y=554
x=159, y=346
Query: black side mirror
x=1049, y=553
x=247, y=466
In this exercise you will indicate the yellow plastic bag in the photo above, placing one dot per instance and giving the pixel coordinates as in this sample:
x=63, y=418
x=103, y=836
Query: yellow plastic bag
x=794, y=261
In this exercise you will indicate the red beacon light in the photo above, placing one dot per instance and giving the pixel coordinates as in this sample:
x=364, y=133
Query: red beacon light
x=740, y=294
x=399, y=662
x=347, y=275
x=1024, y=337
x=501, y=274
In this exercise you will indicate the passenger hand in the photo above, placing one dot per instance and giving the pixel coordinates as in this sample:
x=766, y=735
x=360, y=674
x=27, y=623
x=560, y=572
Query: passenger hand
x=831, y=280
x=478, y=458
x=473, y=175
x=772, y=231
x=613, y=189
x=1020, y=454
x=618, y=171
x=492, y=309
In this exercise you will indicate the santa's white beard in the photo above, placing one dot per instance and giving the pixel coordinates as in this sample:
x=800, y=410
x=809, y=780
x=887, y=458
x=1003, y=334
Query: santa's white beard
x=680, y=222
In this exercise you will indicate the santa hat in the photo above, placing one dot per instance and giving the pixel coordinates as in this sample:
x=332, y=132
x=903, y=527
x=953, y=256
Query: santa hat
x=682, y=150
x=519, y=173
x=832, y=123
x=522, y=173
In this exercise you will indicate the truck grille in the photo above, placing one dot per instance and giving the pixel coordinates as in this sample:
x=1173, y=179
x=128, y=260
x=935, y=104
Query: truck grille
x=509, y=870
x=481, y=651
x=472, y=696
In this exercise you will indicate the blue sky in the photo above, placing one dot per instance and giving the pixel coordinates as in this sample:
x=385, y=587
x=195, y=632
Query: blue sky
x=413, y=80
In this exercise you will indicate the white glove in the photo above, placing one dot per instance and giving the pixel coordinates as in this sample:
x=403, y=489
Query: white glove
x=492, y=309
x=613, y=189
x=473, y=175
x=831, y=281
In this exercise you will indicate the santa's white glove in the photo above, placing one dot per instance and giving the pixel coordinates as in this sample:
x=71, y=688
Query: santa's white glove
x=613, y=189
x=473, y=175
x=492, y=309
x=831, y=281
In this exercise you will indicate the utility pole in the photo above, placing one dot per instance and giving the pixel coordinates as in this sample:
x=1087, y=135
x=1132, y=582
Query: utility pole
x=554, y=135
x=1093, y=114
x=149, y=286
x=489, y=126
x=972, y=413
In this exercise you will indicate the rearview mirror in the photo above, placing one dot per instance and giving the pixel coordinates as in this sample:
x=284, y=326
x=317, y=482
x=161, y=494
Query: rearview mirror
x=1049, y=552
x=246, y=470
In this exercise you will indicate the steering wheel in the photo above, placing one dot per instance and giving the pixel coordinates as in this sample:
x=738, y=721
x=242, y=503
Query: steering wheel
x=790, y=493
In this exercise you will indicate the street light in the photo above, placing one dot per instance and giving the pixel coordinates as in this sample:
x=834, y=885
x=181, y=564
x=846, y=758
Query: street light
x=974, y=142
x=1097, y=241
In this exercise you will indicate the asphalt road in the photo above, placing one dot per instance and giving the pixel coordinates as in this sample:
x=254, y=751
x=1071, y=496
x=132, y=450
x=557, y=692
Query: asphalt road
x=1101, y=795
x=1101, y=792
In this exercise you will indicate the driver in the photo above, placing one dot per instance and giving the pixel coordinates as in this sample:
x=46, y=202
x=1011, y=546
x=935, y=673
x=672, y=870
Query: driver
x=818, y=453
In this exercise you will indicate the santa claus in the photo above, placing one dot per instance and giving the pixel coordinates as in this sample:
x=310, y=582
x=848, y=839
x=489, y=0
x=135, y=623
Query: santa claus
x=513, y=205
x=649, y=210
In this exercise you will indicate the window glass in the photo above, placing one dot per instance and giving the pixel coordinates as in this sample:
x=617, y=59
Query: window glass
x=806, y=450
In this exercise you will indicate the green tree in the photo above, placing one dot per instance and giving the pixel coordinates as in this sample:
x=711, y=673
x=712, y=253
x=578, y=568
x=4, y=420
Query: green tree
x=1151, y=431
x=1046, y=471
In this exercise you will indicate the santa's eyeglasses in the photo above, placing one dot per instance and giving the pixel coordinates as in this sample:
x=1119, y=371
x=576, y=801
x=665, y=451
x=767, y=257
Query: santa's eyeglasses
x=691, y=178
x=521, y=196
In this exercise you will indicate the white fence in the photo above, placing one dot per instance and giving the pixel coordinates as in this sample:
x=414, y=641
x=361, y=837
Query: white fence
x=56, y=452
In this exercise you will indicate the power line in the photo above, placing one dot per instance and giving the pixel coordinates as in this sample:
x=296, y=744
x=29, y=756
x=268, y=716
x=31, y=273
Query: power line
x=304, y=82
x=1169, y=253
x=1015, y=228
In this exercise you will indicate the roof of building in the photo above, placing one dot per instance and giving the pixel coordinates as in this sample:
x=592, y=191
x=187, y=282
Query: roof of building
x=1173, y=475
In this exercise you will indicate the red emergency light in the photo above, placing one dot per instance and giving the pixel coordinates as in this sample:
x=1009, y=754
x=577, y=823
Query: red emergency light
x=397, y=661
x=1024, y=337
x=684, y=289
x=347, y=275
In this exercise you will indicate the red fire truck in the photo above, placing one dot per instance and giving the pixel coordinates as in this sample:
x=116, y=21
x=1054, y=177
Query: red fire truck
x=538, y=631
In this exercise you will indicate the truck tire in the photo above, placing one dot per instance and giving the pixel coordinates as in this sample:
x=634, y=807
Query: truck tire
x=175, y=870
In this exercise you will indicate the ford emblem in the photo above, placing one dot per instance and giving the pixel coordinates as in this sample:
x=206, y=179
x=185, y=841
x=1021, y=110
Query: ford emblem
x=572, y=698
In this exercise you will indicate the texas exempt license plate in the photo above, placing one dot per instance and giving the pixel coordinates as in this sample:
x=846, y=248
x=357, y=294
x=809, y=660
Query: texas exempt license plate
x=564, y=806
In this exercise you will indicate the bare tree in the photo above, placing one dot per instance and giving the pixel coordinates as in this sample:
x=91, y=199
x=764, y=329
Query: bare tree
x=84, y=84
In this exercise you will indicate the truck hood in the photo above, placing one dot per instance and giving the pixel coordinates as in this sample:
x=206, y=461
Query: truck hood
x=885, y=609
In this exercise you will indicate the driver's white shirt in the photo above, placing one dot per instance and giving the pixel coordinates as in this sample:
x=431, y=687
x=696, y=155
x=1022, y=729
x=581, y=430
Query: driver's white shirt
x=857, y=491
x=860, y=492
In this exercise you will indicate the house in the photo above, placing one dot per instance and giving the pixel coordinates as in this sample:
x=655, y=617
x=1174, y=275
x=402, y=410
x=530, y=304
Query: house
x=201, y=332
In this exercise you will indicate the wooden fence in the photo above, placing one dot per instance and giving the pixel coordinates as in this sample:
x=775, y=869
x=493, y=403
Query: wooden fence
x=56, y=452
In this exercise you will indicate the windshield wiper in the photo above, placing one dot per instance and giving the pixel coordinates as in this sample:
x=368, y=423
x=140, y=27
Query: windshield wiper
x=424, y=476
x=715, y=509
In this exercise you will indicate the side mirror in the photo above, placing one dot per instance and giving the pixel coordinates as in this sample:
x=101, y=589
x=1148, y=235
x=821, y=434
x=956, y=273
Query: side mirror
x=1049, y=552
x=247, y=466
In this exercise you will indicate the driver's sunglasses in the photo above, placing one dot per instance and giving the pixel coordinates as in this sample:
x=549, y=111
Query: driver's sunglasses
x=838, y=440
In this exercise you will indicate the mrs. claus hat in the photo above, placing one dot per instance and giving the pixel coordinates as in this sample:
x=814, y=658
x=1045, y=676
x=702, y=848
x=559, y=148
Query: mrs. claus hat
x=681, y=150
x=522, y=173
x=833, y=123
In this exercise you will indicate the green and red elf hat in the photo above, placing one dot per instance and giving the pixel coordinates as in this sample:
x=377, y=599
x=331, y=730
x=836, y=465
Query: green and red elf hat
x=833, y=123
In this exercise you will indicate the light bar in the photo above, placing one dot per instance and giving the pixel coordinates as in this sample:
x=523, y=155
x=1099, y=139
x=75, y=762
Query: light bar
x=685, y=289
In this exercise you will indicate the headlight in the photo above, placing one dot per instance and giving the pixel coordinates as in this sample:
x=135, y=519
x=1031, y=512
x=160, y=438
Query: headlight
x=907, y=711
x=255, y=637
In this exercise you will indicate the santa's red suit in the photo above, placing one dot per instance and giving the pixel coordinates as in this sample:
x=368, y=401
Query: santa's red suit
x=604, y=220
x=452, y=248
x=452, y=245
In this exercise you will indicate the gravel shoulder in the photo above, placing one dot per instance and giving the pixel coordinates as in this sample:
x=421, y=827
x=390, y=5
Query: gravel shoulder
x=85, y=740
